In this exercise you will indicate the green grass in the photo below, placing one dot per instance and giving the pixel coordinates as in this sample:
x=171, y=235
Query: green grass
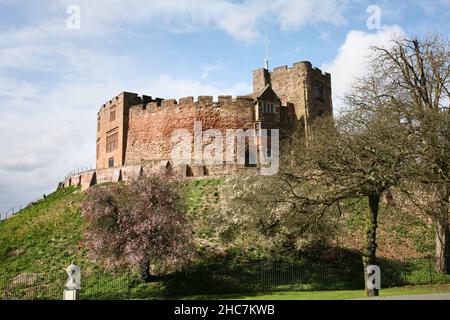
x=200, y=192
x=45, y=237
x=37, y=244
x=330, y=295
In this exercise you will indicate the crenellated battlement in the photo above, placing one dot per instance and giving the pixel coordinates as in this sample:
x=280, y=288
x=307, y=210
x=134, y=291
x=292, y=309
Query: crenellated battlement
x=133, y=128
x=129, y=99
x=298, y=67
x=199, y=102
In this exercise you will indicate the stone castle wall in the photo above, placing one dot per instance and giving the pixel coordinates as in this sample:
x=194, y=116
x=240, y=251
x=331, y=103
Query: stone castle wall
x=297, y=84
x=143, y=126
x=106, y=126
x=150, y=128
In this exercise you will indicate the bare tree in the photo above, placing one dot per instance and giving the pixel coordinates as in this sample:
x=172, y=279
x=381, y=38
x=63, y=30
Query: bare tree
x=360, y=155
x=412, y=77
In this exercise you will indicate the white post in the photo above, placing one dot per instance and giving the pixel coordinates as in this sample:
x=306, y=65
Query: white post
x=73, y=283
x=70, y=294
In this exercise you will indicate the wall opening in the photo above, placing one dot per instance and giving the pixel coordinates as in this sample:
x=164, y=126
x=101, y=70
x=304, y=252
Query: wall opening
x=189, y=172
x=93, y=180
x=249, y=157
x=168, y=169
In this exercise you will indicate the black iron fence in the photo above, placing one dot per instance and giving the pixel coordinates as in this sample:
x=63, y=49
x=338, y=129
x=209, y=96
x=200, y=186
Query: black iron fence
x=218, y=280
x=16, y=209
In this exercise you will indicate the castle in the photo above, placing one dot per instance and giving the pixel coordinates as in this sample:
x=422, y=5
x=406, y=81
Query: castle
x=134, y=132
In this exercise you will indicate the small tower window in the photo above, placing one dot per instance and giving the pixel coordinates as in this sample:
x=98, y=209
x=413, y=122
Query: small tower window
x=112, y=114
x=111, y=162
x=319, y=91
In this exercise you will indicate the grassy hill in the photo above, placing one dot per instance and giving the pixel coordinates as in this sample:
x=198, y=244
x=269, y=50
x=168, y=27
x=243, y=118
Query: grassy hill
x=46, y=237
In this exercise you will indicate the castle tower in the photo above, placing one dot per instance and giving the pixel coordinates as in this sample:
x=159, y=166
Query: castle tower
x=112, y=128
x=307, y=88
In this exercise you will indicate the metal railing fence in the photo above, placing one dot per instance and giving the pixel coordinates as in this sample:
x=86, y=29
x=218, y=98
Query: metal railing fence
x=216, y=280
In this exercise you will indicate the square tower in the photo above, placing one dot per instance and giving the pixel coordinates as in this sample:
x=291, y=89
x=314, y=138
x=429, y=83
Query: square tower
x=307, y=88
x=112, y=128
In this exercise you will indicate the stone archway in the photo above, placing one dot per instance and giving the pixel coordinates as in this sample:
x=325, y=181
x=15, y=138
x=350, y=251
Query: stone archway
x=93, y=180
x=189, y=172
x=169, y=169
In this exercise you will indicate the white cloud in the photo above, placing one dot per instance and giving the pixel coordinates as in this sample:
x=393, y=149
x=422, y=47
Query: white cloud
x=352, y=58
x=241, y=20
x=11, y=88
x=294, y=14
x=43, y=135
x=209, y=68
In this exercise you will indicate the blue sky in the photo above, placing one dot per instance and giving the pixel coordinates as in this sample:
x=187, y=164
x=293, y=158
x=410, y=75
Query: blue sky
x=53, y=79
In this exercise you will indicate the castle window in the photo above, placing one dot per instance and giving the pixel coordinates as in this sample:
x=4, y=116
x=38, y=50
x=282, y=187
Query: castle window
x=268, y=107
x=112, y=142
x=111, y=162
x=112, y=114
x=319, y=91
x=98, y=149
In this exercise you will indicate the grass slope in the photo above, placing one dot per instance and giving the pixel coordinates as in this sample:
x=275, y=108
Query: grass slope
x=48, y=236
x=45, y=237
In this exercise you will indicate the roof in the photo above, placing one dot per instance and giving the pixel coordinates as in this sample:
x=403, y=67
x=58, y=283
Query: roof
x=266, y=93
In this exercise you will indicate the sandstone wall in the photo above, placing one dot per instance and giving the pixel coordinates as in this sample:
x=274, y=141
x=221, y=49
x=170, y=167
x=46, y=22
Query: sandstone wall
x=85, y=180
x=106, y=126
x=296, y=85
x=150, y=128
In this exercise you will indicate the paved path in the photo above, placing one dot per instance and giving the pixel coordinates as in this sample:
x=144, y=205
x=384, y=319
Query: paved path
x=434, y=296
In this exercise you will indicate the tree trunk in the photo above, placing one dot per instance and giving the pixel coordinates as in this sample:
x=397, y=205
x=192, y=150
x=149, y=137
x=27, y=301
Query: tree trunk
x=370, y=251
x=145, y=272
x=147, y=276
x=442, y=235
x=442, y=255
